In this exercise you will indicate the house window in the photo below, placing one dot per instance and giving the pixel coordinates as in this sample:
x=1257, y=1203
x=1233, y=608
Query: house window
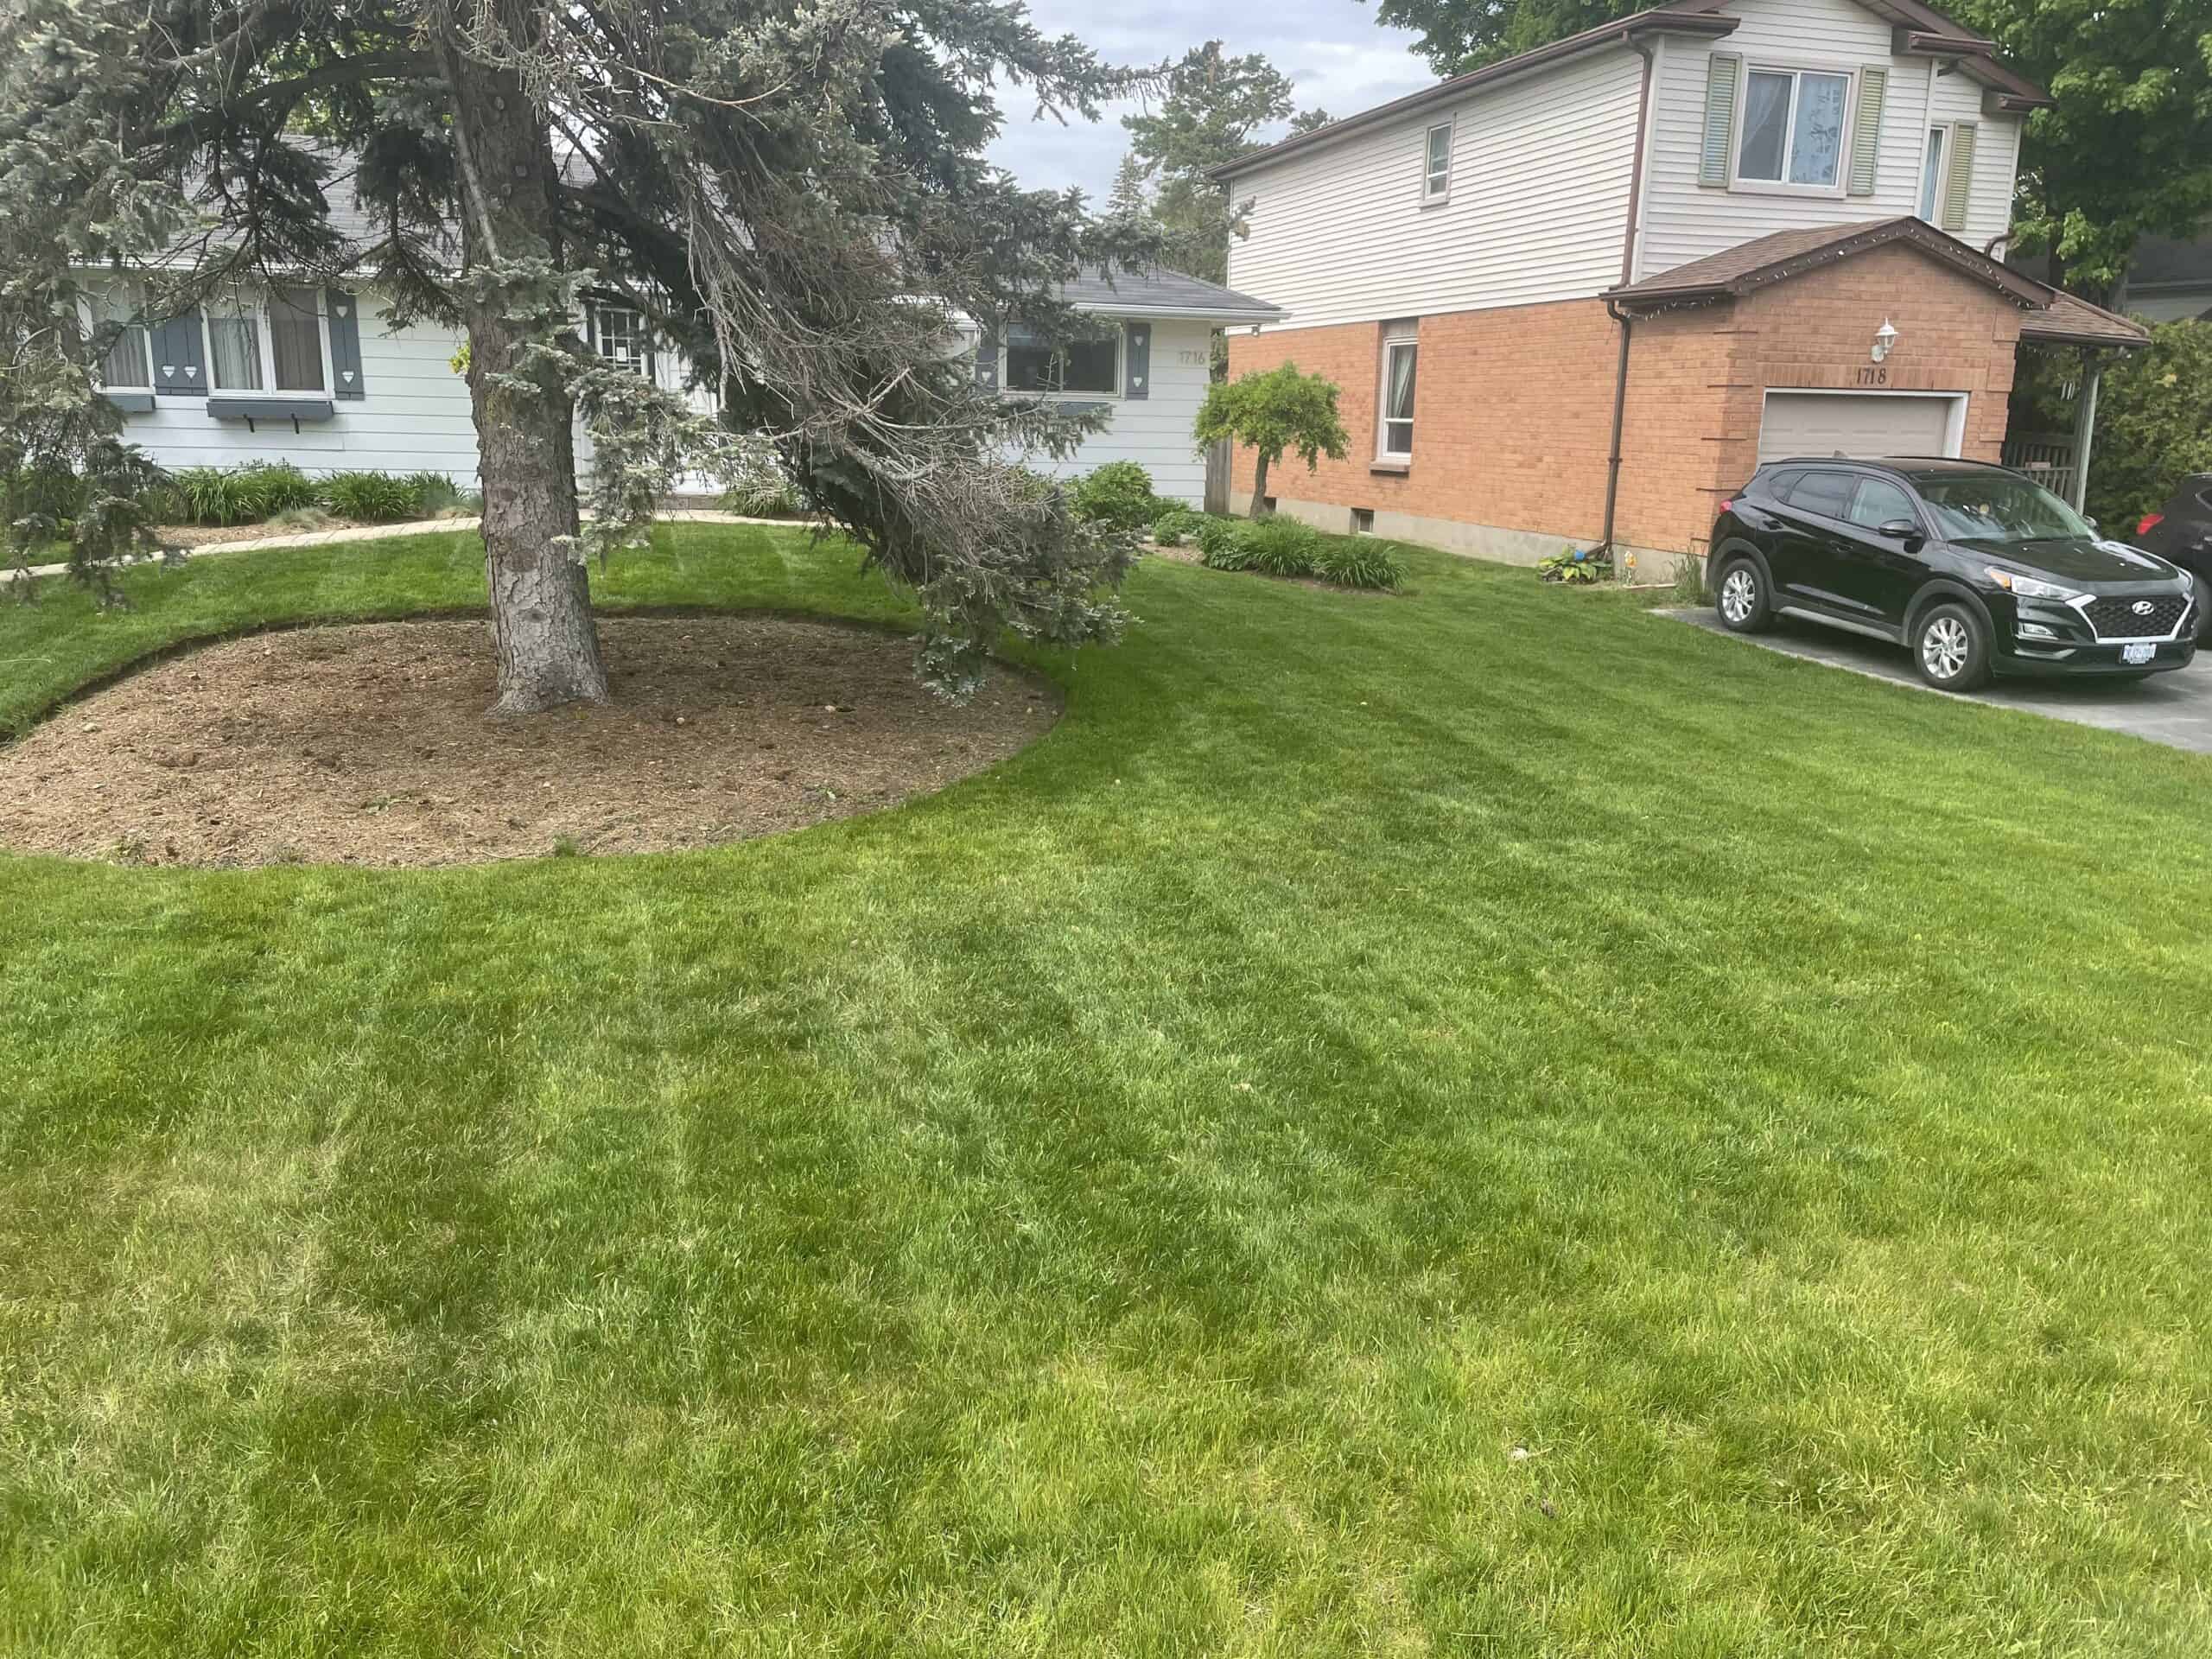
x=128, y=363
x=1363, y=521
x=234, y=349
x=1793, y=127
x=295, y=341
x=1092, y=365
x=278, y=350
x=624, y=339
x=1436, y=180
x=1401, y=352
x=1931, y=176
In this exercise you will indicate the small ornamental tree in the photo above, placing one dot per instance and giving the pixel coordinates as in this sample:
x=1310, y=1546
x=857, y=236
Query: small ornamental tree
x=1274, y=411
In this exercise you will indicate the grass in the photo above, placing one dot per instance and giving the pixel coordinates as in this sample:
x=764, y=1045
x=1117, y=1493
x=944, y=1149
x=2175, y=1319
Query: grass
x=1138, y=1201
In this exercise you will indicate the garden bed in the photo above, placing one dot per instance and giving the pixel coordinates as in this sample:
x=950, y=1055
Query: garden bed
x=371, y=745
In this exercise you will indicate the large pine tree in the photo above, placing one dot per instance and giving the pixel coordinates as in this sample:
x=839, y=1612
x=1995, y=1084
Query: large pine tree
x=796, y=196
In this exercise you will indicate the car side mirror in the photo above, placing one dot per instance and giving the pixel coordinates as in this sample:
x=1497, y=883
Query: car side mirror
x=1899, y=530
x=2090, y=522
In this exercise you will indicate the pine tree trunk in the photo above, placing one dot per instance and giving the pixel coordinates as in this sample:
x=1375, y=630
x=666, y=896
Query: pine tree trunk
x=1259, y=485
x=541, y=592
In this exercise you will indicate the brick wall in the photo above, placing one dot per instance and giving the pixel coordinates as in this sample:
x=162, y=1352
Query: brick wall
x=1512, y=417
x=1513, y=406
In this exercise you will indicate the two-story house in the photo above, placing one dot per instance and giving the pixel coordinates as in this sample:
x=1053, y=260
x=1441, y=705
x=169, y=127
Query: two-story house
x=1577, y=295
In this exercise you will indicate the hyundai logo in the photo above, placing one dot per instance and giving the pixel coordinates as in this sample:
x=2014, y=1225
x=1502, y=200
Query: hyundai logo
x=2144, y=607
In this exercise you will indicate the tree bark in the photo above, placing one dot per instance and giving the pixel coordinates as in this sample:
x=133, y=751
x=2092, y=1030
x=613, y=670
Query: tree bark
x=1259, y=485
x=540, y=590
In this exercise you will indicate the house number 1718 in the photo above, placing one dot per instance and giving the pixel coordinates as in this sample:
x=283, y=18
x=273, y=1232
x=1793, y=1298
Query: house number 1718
x=1873, y=375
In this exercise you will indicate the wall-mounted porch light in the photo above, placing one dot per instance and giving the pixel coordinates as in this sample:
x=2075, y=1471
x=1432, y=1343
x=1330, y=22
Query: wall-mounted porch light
x=1885, y=337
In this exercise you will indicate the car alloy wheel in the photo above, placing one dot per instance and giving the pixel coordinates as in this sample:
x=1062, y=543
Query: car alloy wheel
x=1739, y=594
x=1946, y=647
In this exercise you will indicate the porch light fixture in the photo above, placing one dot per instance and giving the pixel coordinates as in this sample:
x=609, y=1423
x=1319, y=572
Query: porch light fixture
x=1885, y=337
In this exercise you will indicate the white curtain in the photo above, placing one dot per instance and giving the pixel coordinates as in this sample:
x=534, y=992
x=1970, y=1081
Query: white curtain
x=234, y=344
x=1402, y=382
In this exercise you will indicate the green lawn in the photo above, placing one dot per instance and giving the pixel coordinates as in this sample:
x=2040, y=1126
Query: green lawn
x=1136, y=1202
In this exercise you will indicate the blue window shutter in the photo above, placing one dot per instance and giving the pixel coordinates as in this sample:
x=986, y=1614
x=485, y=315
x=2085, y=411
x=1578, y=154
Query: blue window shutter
x=1720, y=71
x=987, y=360
x=1136, y=375
x=180, y=356
x=345, y=311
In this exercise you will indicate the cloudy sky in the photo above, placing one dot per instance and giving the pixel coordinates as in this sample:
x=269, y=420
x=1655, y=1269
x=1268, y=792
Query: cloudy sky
x=1334, y=50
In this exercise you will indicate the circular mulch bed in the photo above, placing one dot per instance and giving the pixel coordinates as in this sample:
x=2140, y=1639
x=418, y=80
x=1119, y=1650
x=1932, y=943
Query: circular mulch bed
x=370, y=744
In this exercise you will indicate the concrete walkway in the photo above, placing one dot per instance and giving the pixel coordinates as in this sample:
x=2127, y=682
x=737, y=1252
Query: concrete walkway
x=382, y=532
x=2173, y=709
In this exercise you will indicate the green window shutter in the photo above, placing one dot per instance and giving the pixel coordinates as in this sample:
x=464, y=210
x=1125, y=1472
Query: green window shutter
x=1959, y=185
x=345, y=311
x=1720, y=74
x=1137, y=355
x=1867, y=131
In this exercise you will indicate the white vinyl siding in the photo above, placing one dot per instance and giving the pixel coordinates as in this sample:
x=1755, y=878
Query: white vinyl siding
x=1537, y=211
x=1154, y=430
x=414, y=416
x=1683, y=221
x=1954, y=99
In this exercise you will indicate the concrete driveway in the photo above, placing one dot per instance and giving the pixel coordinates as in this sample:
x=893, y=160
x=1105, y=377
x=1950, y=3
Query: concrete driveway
x=2175, y=708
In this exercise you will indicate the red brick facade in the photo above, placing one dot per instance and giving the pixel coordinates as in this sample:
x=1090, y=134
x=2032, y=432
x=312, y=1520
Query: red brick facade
x=1513, y=407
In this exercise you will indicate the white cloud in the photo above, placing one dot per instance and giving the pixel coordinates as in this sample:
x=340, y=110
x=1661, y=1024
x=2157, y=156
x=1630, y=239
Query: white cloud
x=1333, y=50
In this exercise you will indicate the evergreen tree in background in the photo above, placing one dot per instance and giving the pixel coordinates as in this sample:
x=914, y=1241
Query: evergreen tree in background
x=1211, y=112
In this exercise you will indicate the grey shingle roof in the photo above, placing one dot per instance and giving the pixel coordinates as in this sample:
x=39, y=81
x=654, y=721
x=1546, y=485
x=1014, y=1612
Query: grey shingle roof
x=1158, y=290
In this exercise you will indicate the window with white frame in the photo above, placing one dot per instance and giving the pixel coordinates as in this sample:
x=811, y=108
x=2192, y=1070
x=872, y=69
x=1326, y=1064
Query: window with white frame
x=1931, y=176
x=623, y=338
x=1092, y=365
x=1436, y=177
x=279, y=346
x=128, y=364
x=1794, y=128
x=1393, y=437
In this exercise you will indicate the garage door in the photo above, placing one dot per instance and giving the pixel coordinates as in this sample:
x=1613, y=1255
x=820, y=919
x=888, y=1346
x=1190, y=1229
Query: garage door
x=1797, y=423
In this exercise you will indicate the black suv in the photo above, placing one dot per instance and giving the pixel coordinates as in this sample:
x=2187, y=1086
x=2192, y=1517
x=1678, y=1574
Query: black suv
x=1974, y=569
x=2182, y=531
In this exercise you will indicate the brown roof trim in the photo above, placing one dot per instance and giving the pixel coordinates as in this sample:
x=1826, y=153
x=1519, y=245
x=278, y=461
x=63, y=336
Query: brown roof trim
x=1663, y=21
x=1753, y=265
x=2072, y=321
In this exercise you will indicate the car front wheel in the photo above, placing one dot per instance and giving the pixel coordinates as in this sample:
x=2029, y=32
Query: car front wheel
x=1951, y=647
x=1742, y=598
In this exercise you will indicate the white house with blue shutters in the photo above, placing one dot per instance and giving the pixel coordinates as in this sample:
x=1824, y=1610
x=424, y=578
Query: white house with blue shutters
x=324, y=379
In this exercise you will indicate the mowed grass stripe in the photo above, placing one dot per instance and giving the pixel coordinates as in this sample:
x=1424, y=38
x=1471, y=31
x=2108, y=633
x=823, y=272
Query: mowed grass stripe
x=1136, y=1200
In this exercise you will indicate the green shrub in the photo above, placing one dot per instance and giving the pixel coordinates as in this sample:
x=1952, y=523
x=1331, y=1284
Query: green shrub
x=1177, y=527
x=242, y=495
x=372, y=497
x=1280, y=547
x=1577, y=566
x=1217, y=543
x=1357, y=561
x=434, y=493
x=1118, y=494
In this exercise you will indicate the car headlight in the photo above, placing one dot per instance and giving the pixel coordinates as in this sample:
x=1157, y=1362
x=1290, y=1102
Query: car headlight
x=2030, y=586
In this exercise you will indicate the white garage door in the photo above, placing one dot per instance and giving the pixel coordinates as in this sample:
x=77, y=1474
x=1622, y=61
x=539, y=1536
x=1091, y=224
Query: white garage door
x=1800, y=423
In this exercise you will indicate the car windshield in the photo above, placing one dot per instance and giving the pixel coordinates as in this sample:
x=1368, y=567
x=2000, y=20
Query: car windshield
x=1997, y=507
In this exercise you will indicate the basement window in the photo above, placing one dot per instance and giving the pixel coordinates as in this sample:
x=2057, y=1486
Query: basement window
x=1363, y=521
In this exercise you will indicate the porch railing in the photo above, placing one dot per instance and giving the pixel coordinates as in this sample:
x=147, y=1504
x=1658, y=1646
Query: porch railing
x=2047, y=457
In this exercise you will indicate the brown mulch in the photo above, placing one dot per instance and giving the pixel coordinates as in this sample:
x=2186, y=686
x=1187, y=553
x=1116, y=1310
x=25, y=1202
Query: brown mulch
x=370, y=744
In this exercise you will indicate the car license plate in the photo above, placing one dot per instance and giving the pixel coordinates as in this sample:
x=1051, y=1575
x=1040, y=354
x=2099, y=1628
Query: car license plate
x=2138, y=654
